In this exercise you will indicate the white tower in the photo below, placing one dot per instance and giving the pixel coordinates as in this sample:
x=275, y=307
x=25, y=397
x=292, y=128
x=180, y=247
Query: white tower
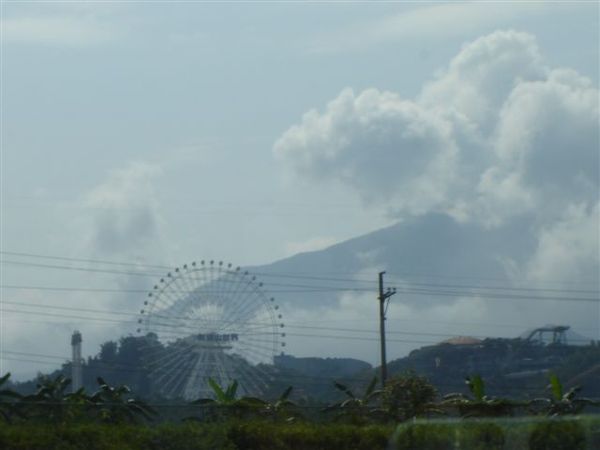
x=76, y=373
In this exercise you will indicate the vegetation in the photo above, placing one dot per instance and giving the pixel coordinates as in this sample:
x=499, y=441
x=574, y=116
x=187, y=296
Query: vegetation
x=8, y=399
x=547, y=434
x=122, y=362
x=52, y=404
x=561, y=402
x=479, y=404
x=408, y=396
x=112, y=418
x=226, y=405
x=357, y=410
x=500, y=434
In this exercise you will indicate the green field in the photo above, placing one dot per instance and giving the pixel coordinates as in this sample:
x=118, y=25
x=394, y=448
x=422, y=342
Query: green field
x=575, y=433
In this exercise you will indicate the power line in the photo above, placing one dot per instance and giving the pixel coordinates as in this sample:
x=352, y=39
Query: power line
x=300, y=288
x=187, y=332
x=400, y=281
x=287, y=275
x=83, y=269
x=419, y=322
x=145, y=291
x=93, y=261
x=74, y=289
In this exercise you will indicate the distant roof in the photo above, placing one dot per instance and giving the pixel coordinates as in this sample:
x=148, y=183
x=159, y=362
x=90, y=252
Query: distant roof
x=462, y=340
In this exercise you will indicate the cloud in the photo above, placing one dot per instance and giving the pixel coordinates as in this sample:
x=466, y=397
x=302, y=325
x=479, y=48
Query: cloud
x=423, y=22
x=122, y=223
x=309, y=245
x=63, y=30
x=568, y=249
x=125, y=212
x=479, y=79
x=545, y=148
x=495, y=135
x=360, y=139
x=498, y=139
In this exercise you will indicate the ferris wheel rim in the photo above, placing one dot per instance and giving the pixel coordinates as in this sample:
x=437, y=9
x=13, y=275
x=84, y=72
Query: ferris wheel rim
x=200, y=331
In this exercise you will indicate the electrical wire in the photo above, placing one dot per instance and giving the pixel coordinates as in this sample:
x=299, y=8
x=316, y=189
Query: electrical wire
x=302, y=288
x=182, y=332
x=288, y=275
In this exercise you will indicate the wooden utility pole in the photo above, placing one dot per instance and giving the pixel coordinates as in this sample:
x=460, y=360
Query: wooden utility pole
x=383, y=303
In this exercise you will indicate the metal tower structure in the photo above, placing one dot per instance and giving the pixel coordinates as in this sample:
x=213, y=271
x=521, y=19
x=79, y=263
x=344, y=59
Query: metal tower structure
x=558, y=334
x=76, y=370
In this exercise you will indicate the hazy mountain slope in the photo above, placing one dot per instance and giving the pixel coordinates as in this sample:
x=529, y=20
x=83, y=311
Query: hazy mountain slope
x=435, y=262
x=421, y=249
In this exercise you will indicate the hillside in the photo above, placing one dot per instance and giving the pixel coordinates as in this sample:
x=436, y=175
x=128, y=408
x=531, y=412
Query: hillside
x=423, y=246
x=452, y=278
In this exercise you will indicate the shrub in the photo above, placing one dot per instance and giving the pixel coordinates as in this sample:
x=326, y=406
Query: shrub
x=408, y=395
x=481, y=436
x=424, y=436
x=558, y=435
x=305, y=436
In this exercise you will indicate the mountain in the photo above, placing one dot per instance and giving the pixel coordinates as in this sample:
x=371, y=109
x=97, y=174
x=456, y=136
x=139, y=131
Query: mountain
x=419, y=248
x=453, y=279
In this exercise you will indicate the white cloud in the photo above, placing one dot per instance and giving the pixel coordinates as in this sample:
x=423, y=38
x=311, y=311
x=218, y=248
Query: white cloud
x=63, y=30
x=568, y=250
x=360, y=140
x=424, y=22
x=480, y=78
x=497, y=138
x=125, y=213
x=309, y=245
x=546, y=147
x=493, y=135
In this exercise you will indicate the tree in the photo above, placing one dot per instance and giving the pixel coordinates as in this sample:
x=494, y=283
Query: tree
x=108, y=352
x=408, y=395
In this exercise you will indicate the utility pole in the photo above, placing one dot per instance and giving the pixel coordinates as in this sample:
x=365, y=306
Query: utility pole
x=384, y=296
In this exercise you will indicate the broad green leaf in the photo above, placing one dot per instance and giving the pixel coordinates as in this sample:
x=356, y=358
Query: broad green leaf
x=556, y=387
x=231, y=390
x=286, y=394
x=477, y=387
x=217, y=390
x=371, y=387
x=5, y=378
x=344, y=389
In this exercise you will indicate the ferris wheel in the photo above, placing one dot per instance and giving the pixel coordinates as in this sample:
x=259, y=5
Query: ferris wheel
x=209, y=320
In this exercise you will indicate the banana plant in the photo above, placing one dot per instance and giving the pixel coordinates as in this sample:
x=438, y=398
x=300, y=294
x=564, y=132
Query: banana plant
x=282, y=408
x=479, y=404
x=356, y=409
x=51, y=402
x=8, y=400
x=561, y=402
x=226, y=403
x=112, y=404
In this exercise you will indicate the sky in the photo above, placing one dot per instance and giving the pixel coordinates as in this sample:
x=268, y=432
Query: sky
x=164, y=132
